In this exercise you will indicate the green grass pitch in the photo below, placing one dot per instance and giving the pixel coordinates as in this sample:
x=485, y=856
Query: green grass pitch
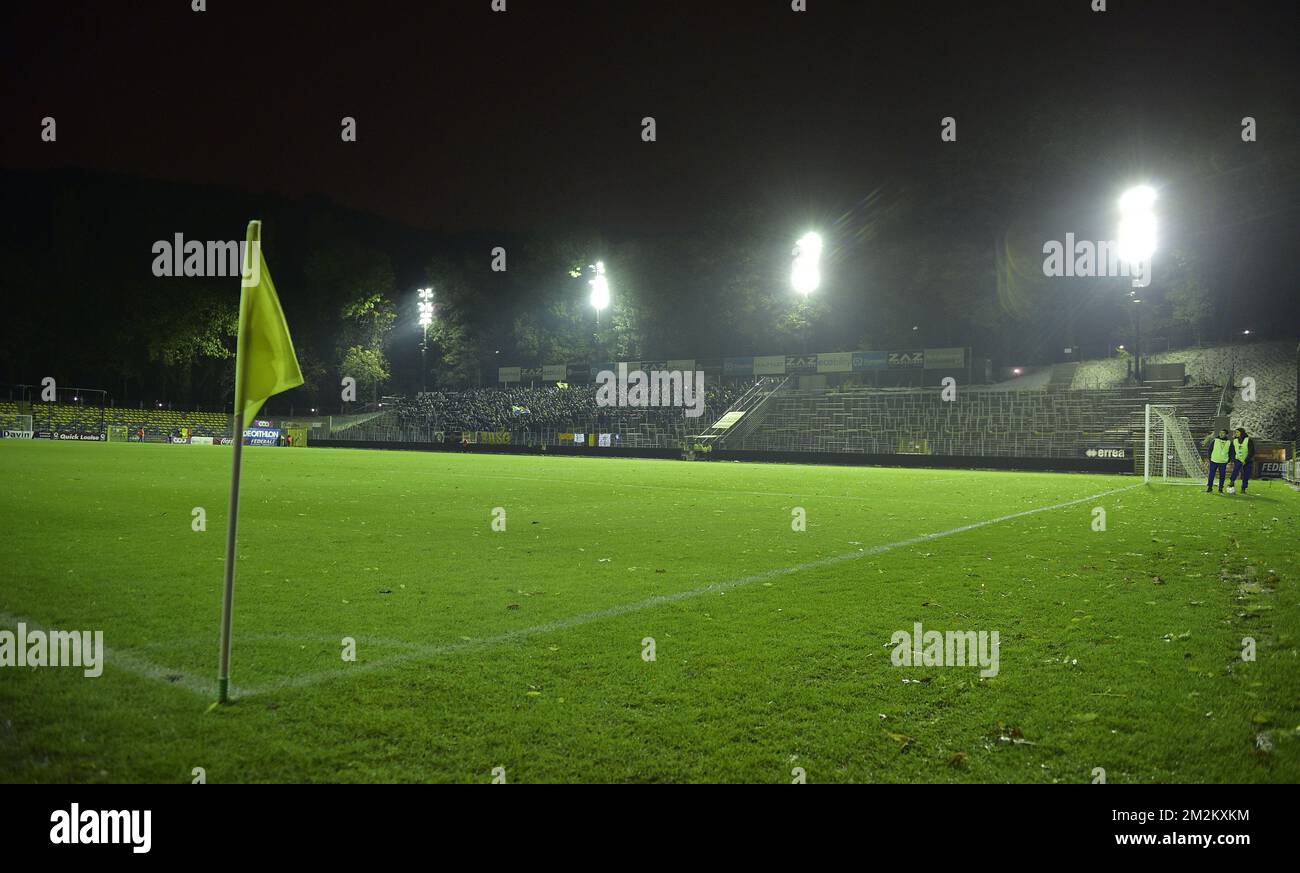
x=523, y=649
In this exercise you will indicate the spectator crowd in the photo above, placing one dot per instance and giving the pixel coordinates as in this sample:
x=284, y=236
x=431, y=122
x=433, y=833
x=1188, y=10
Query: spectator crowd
x=520, y=408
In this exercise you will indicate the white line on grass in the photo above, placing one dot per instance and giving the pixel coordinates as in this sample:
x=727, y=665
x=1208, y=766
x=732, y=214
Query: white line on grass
x=431, y=652
x=206, y=688
x=702, y=492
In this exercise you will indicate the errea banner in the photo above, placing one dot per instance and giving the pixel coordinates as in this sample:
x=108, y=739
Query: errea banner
x=1107, y=453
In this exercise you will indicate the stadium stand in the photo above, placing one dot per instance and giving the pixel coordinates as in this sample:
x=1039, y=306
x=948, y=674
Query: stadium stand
x=159, y=424
x=1073, y=411
x=1028, y=424
x=1272, y=365
x=548, y=409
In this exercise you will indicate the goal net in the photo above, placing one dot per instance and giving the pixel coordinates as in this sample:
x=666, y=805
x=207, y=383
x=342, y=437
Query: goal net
x=117, y=433
x=21, y=428
x=1169, y=452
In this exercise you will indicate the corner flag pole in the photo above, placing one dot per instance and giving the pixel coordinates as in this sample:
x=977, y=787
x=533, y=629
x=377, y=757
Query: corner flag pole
x=227, y=600
x=251, y=266
x=265, y=365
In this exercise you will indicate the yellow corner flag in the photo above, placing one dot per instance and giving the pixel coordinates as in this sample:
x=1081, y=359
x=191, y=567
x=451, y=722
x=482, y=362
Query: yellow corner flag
x=264, y=365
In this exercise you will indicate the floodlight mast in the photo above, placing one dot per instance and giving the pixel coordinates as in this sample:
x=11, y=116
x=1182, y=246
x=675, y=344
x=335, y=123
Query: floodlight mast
x=425, y=308
x=599, y=289
x=1137, y=243
x=805, y=274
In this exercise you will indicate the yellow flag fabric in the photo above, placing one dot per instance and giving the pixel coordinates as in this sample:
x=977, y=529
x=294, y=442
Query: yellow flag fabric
x=265, y=363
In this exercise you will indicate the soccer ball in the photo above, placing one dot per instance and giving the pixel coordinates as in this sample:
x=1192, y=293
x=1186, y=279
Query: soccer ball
x=1231, y=490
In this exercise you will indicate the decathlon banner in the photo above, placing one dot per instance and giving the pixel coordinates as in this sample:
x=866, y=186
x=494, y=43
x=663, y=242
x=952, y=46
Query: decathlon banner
x=262, y=436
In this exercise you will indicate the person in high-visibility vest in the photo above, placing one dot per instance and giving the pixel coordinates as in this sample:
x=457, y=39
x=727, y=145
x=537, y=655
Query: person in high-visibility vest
x=1243, y=453
x=1220, y=454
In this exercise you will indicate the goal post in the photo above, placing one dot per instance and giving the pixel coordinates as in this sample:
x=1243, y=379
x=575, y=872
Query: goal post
x=21, y=427
x=117, y=433
x=1169, y=451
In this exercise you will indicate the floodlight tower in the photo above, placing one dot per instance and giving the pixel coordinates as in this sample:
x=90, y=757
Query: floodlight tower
x=599, y=289
x=425, y=308
x=805, y=274
x=1137, y=243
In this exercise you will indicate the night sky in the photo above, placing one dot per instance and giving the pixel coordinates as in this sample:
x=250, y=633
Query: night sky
x=469, y=119
x=477, y=127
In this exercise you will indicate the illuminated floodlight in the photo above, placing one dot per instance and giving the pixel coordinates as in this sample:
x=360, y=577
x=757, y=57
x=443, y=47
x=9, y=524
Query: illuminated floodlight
x=425, y=306
x=599, y=287
x=1137, y=224
x=806, y=275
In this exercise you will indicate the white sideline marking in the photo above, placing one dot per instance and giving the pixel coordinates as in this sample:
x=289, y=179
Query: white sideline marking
x=207, y=688
x=700, y=491
x=431, y=652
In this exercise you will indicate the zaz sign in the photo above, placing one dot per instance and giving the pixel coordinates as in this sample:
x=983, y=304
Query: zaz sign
x=907, y=359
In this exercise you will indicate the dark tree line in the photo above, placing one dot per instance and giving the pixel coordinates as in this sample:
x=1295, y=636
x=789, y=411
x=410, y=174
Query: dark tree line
x=948, y=257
